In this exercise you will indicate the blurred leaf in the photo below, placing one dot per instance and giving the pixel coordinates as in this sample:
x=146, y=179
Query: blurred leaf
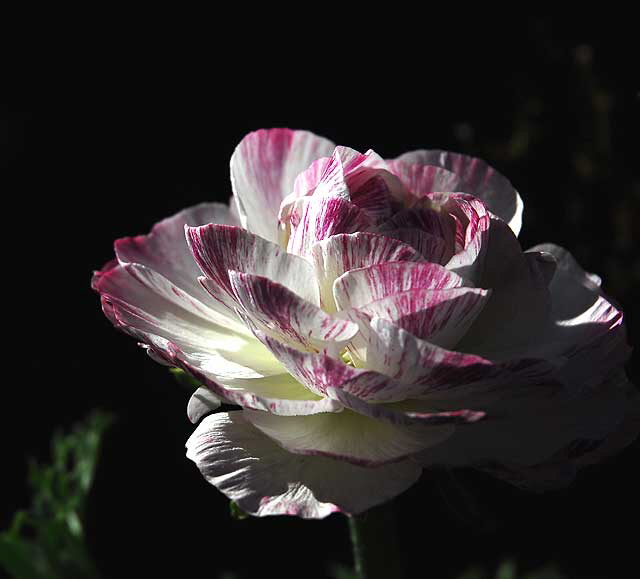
x=187, y=382
x=507, y=570
x=46, y=541
x=340, y=572
x=236, y=512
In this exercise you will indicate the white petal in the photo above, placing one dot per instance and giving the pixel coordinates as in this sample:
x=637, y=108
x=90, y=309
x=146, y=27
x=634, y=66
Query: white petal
x=265, y=479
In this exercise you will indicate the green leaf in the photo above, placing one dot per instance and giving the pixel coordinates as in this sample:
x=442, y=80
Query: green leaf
x=185, y=380
x=46, y=541
x=236, y=512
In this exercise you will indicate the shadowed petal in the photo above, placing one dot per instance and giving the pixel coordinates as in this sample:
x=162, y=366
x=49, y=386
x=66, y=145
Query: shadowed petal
x=477, y=178
x=264, y=479
x=347, y=436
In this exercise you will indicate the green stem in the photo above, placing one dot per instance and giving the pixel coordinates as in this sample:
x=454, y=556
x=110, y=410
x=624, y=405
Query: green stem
x=375, y=544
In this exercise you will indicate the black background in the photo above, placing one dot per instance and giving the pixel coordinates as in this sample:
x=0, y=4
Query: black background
x=108, y=145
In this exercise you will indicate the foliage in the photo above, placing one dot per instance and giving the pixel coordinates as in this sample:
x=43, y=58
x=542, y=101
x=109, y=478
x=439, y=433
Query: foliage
x=46, y=541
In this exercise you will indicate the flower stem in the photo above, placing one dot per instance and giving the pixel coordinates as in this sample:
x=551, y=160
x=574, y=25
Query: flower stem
x=375, y=545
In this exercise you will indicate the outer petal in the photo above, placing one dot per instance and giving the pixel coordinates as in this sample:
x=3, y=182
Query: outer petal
x=517, y=437
x=478, y=179
x=165, y=250
x=235, y=368
x=520, y=304
x=347, y=436
x=201, y=403
x=340, y=253
x=263, y=170
x=265, y=479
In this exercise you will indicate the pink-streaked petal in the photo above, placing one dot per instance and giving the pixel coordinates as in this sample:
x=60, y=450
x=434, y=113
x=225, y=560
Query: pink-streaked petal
x=355, y=387
x=170, y=314
x=201, y=403
x=423, y=179
x=340, y=253
x=425, y=420
x=318, y=217
x=359, y=287
x=264, y=167
x=431, y=247
x=264, y=479
x=440, y=316
x=477, y=178
x=474, y=223
x=308, y=180
x=162, y=287
x=218, y=249
x=424, y=368
x=374, y=197
x=275, y=394
x=424, y=217
x=287, y=317
x=348, y=436
x=224, y=354
x=165, y=249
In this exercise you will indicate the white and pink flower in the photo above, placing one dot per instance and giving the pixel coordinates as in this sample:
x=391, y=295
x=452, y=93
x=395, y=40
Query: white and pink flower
x=372, y=318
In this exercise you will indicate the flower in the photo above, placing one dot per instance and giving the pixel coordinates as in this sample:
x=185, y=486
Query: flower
x=371, y=319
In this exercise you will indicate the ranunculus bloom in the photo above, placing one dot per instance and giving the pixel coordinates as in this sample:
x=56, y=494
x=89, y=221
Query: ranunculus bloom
x=372, y=318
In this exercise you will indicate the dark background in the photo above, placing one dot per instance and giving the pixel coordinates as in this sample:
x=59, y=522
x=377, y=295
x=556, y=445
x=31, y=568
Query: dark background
x=107, y=148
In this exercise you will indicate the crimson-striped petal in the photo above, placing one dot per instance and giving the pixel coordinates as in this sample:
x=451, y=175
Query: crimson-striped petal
x=264, y=167
x=440, y=316
x=341, y=253
x=287, y=317
x=218, y=249
x=358, y=287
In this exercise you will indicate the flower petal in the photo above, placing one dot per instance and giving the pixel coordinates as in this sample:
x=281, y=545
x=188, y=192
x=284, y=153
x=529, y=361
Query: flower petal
x=358, y=287
x=263, y=170
x=520, y=304
x=340, y=253
x=218, y=249
x=518, y=437
x=284, y=315
x=264, y=479
x=424, y=368
x=423, y=179
x=142, y=307
x=440, y=316
x=479, y=179
x=347, y=436
x=318, y=217
x=165, y=249
x=201, y=403
x=431, y=247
